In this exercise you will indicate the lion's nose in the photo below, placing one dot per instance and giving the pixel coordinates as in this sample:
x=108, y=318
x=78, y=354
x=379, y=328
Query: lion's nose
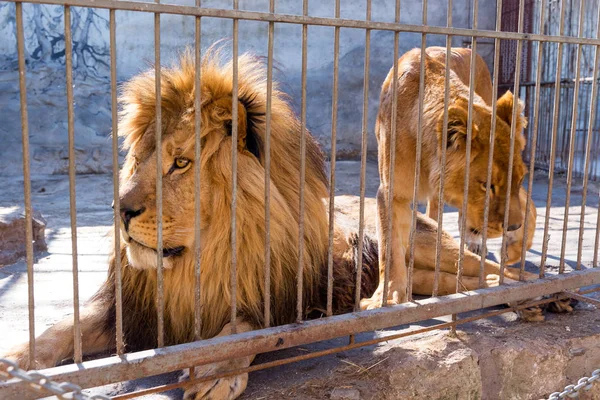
x=127, y=214
x=513, y=227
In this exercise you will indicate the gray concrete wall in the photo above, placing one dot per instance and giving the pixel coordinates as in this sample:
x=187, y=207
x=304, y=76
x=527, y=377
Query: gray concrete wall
x=135, y=52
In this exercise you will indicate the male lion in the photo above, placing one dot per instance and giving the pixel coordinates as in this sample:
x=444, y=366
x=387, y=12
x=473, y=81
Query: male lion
x=138, y=214
x=460, y=64
x=405, y=154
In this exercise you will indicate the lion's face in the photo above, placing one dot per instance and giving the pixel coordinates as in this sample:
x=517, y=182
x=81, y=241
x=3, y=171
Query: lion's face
x=456, y=160
x=138, y=208
x=138, y=198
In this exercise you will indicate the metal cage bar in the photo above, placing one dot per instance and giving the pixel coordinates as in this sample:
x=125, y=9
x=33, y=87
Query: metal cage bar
x=72, y=206
x=26, y=176
x=116, y=204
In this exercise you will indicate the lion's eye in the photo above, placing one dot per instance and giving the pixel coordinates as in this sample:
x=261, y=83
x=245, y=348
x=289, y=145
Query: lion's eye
x=181, y=163
x=484, y=187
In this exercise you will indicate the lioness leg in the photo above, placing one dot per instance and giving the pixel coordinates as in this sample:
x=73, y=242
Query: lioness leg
x=432, y=208
x=56, y=343
x=401, y=217
x=222, y=388
x=426, y=237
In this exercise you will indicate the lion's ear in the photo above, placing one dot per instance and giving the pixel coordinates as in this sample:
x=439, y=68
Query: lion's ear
x=457, y=126
x=504, y=109
x=224, y=110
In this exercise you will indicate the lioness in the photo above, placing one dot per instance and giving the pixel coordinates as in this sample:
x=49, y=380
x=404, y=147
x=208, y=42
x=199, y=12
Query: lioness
x=138, y=214
x=460, y=63
x=432, y=127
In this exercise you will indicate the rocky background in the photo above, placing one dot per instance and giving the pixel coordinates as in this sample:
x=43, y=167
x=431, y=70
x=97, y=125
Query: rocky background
x=46, y=93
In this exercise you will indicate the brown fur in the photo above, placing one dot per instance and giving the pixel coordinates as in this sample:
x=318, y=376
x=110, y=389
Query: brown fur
x=432, y=127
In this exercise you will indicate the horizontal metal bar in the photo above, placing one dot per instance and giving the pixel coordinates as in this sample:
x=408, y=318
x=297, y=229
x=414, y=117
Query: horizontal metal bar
x=157, y=361
x=351, y=346
x=308, y=20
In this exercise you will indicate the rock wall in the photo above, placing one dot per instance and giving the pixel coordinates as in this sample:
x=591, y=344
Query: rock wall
x=44, y=36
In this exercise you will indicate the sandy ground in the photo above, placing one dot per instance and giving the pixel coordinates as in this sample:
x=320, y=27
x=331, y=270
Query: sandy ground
x=53, y=269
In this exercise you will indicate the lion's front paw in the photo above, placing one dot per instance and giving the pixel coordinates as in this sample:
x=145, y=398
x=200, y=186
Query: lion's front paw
x=226, y=388
x=531, y=314
x=562, y=306
x=218, y=389
x=20, y=356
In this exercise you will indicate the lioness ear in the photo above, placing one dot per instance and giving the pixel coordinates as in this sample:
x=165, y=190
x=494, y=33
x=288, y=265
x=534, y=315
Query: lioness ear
x=457, y=126
x=504, y=109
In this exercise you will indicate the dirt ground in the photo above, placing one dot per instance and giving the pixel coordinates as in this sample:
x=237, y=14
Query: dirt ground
x=54, y=285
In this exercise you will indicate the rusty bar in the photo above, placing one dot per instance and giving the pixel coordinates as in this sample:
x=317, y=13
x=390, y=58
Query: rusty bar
x=513, y=133
x=267, y=283
x=234, y=166
x=415, y=204
x=363, y=158
x=26, y=176
x=72, y=207
x=533, y=143
x=115, y=165
x=561, y=266
x=160, y=300
x=556, y=111
x=392, y=157
x=463, y=220
x=492, y=142
x=197, y=181
x=305, y=19
x=171, y=358
x=334, y=110
x=350, y=346
x=302, y=169
x=444, y=145
x=597, y=239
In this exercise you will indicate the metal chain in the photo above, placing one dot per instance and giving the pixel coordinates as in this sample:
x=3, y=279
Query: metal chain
x=41, y=383
x=572, y=391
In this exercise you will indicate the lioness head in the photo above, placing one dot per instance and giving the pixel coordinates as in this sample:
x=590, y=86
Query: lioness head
x=480, y=147
x=138, y=178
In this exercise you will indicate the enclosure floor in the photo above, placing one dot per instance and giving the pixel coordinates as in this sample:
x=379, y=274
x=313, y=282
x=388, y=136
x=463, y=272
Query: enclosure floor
x=53, y=269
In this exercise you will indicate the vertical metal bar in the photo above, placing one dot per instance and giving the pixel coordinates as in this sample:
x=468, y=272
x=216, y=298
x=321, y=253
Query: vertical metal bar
x=561, y=267
x=363, y=156
x=440, y=216
x=160, y=301
x=115, y=164
x=492, y=142
x=299, y=308
x=197, y=182
x=513, y=133
x=413, y=226
x=533, y=142
x=556, y=111
x=267, y=288
x=334, y=107
x=463, y=220
x=392, y=158
x=234, y=151
x=26, y=176
x=71, y=134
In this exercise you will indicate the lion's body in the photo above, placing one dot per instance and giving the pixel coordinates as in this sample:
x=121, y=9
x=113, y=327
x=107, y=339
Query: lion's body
x=406, y=134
